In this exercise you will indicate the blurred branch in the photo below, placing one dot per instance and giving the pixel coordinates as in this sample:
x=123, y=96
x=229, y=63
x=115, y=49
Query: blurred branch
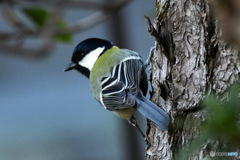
x=97, y=17
x=28, y=52
x=11, y=17
x=76, y=4
x=11, y=41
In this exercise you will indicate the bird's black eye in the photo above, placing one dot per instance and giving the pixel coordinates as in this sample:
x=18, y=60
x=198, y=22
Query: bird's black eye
x=82, y=54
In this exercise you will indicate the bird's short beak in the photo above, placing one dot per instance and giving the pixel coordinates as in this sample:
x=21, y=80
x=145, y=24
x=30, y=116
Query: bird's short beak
x=70, y=67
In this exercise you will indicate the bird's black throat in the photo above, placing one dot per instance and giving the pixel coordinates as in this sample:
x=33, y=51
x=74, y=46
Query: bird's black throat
x=83, y=70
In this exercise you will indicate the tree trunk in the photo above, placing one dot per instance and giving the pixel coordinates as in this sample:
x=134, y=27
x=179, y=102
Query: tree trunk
x=202, y=63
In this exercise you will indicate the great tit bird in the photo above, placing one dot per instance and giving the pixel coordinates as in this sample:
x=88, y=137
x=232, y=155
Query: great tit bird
x=118, y=80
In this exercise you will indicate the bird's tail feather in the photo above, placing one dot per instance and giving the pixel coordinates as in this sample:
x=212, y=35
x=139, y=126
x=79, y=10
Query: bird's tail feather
x=152, y=112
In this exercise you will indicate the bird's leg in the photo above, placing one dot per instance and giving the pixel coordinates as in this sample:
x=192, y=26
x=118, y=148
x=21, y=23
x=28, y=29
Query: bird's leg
x=134, y=123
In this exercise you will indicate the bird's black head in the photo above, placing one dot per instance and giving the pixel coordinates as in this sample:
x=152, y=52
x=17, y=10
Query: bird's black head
x=86, y=53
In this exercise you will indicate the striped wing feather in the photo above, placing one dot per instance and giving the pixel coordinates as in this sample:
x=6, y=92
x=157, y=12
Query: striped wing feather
x=125, y=78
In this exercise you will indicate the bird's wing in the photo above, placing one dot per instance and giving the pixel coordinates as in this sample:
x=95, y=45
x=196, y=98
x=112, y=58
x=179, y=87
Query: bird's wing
x=125, y=78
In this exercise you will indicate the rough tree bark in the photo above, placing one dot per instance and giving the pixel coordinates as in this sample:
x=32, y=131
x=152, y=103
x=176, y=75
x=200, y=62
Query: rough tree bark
x=202, y=63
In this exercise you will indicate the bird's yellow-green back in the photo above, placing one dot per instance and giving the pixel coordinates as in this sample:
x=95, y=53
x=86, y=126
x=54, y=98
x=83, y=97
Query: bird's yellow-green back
x=103, y=66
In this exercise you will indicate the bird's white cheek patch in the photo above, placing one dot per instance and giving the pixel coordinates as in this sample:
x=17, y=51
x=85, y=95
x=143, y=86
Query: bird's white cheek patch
x=89, y=60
